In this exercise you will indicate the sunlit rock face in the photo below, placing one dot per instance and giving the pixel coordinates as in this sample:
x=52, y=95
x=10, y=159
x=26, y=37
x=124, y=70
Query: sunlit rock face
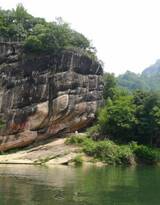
x=45, y=95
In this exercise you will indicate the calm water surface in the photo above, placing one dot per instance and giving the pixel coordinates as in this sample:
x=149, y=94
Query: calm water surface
x=32, y=185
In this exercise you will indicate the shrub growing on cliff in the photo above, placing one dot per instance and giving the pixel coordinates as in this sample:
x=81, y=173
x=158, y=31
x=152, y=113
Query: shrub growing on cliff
x=39, y=35
x=33, y=44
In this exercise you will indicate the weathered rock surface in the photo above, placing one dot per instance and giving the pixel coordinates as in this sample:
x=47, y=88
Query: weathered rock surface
x=55, y=152
x=44, y=95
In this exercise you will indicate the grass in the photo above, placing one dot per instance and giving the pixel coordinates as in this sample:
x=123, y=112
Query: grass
x=112, y=153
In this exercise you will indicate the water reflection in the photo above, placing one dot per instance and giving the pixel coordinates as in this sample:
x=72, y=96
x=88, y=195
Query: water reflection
x=79, y=186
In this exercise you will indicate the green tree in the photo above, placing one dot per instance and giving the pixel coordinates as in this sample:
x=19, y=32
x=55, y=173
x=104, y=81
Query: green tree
x=109, y=85
x=148, y=117
x=79, y=40
x=132, y=81
x=117, y=118
x=39, y=35
x=33, y=44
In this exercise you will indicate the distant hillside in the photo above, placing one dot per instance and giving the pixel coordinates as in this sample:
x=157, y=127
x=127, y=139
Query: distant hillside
x=152, y=70
x=149, y=80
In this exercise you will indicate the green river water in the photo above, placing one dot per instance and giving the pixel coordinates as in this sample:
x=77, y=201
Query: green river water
x=87, y=185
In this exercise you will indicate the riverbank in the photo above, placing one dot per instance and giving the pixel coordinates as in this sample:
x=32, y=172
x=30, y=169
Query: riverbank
x=56, y=152
x=109, y=152
x=80, y=149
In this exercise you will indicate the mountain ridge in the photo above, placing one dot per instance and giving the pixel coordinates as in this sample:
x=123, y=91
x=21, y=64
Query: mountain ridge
x=148, y=80
x=152, y=69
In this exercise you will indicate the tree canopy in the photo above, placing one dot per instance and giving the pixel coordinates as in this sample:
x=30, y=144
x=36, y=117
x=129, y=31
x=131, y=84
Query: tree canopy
x=129, y=116
x=144, y=81
x=39, y=35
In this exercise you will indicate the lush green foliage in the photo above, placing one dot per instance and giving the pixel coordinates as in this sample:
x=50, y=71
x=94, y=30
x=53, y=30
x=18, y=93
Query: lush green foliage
x=39, y=35
x=130, y=116
x=78, y=161
x=76, y=139
x=147, y=114
x=145, y=154
x=145, y=81
x=15, y=24
x=106, y=150
x=126, y=117
x=111, y=153
x=117, y=118
x=132, y=81
x=109, y=85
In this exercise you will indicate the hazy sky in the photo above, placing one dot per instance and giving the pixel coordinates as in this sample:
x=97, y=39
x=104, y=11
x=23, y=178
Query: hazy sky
x=126, y=33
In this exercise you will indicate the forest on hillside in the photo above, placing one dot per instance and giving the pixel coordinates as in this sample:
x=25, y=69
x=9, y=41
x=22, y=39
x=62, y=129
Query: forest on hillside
x=148, y=80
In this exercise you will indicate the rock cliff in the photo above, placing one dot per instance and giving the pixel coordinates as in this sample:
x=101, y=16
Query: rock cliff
x=45, y=95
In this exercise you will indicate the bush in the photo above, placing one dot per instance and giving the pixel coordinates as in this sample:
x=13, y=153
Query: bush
x=33, y=44
x=126, y=155
x=117, y=118
x=106, y=151
x=89, y=147
x=76, y=139
x=93, y=130
x=78, y=160
x=111, y=153
x=39, y=35
x=146, y=154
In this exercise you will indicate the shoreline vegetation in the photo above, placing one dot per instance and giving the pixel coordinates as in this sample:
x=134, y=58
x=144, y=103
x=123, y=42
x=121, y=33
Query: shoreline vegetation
x=81, y=149
x=127, y=130
x=111, y=153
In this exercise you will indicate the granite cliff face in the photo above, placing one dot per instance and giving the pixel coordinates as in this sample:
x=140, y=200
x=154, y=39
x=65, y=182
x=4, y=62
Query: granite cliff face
x=45, y=95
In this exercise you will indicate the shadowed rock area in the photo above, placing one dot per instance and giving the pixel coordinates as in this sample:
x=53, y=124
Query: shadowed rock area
x=45, y=95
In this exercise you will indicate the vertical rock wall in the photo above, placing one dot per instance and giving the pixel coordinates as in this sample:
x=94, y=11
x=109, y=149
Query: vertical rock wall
x=45, y=95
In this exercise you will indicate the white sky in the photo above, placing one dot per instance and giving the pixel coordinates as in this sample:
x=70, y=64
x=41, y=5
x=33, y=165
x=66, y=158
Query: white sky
x=126, y=33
